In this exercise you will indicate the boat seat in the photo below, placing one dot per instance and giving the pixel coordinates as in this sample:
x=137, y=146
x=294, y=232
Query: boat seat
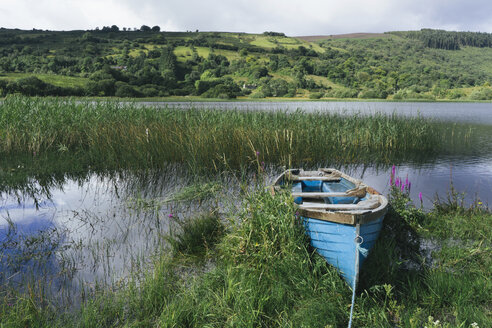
x=315, y=178
x=367, y=204
x=356, y=192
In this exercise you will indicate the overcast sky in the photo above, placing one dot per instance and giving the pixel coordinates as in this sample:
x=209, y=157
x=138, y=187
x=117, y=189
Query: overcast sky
x=299, y=17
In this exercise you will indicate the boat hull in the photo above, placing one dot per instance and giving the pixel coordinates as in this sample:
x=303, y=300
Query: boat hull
x=342, y=216
x=337, y=243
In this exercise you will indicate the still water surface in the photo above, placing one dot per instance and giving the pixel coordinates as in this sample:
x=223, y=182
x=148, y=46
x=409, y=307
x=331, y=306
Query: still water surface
x=453, y=112
x=101, y=229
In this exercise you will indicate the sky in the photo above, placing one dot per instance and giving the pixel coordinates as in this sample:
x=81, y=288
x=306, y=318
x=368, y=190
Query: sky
x=294, y=18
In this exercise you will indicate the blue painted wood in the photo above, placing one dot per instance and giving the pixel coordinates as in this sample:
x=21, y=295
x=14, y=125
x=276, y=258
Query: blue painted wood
x=336, y=243
x=341, y=186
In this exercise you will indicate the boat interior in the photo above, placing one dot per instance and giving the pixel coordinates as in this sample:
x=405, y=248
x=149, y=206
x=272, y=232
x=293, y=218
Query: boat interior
x=330, y=190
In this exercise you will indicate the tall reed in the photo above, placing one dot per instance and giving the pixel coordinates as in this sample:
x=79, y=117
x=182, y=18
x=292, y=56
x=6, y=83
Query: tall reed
x=126, y=134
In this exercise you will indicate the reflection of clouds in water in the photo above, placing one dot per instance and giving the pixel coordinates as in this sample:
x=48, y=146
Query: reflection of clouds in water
x=28, y=247
x=473, y=178
x=29, y=224
x=91, y=228
x=105, y=236
x=23, y=206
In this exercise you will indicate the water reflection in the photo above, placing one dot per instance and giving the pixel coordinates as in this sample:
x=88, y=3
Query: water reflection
x=471, y=178
x=102, y=228
x=480, y=113
x=27, y=245
x=87, y=232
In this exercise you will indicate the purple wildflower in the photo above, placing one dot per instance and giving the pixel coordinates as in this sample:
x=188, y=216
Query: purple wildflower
x=170, y=215
x=409, y=186
x=393, y=170
x=420, y=196
x=257, y=153
x=406, y=181
x=397, y=183
x=402, y=187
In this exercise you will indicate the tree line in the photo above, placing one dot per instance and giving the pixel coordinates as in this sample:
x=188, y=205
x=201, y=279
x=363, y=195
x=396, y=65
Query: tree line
x=450, y=40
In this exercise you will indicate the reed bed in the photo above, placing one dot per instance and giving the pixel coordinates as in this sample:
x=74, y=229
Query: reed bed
x=129, y=135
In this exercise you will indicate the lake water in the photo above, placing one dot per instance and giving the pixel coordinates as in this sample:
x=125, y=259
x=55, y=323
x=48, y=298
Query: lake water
x=94, y=230
x=454, y=112
x=98, y=229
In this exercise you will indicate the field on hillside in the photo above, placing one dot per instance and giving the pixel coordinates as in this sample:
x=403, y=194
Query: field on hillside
x=146, y=64
x=312, y=38
x=54, y=79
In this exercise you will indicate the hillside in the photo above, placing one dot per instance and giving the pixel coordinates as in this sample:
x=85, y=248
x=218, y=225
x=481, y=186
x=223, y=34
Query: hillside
x=311, y=38
x=425, y=64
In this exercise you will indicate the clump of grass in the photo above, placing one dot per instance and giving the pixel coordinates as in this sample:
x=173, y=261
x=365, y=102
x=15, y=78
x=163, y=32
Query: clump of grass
x=195, y=236
x=30, y=309
x=196, y=192
x=452, y=218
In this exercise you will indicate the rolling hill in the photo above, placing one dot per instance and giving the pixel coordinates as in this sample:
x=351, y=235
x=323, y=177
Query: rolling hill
x=426, y=64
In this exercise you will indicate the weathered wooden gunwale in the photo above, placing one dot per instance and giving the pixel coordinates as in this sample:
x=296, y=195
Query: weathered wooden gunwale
x=350, y=214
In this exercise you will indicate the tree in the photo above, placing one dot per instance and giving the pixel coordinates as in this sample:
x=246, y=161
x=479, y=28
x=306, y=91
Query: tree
x=278, y=87
x=156, y=28
x=154, y=53
x=31, y=86
x=168, y=60
x=145, y=28
x=124, y=90
x=104, y=87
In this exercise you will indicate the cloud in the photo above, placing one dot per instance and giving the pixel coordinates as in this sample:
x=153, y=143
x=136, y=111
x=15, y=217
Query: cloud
x=292, y=17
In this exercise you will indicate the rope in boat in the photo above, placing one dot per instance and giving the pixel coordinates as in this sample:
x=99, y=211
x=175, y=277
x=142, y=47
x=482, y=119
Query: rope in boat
x=358, y=249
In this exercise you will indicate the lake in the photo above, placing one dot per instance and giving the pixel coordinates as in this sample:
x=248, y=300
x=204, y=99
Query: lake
x=448, y=111
x=100, y=228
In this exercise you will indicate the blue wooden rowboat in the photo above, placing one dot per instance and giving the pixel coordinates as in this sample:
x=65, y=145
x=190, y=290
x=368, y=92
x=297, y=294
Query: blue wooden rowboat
x=342, y=216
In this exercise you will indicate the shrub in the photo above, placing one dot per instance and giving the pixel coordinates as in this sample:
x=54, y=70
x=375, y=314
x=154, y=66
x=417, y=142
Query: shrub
x=484, y=93
x=315, y=95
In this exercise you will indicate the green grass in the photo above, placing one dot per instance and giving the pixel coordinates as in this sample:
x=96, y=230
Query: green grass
x=195, y=237
x=57, y=80
x=272, y=42
x=185, y=53
x=265, y=274
x=120, y=135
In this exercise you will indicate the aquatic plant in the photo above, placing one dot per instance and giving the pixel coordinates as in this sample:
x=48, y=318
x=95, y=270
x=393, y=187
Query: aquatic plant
x=196, y=235
x=115, y=135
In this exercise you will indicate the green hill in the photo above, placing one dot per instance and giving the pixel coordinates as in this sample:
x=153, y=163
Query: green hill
x=426, y=64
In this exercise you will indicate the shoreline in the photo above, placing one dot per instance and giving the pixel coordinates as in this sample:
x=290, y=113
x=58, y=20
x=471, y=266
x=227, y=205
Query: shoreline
x=197, y=99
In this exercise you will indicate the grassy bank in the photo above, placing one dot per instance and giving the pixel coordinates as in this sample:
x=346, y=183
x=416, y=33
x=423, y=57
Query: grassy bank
x=257, y=270
x=127, y=135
